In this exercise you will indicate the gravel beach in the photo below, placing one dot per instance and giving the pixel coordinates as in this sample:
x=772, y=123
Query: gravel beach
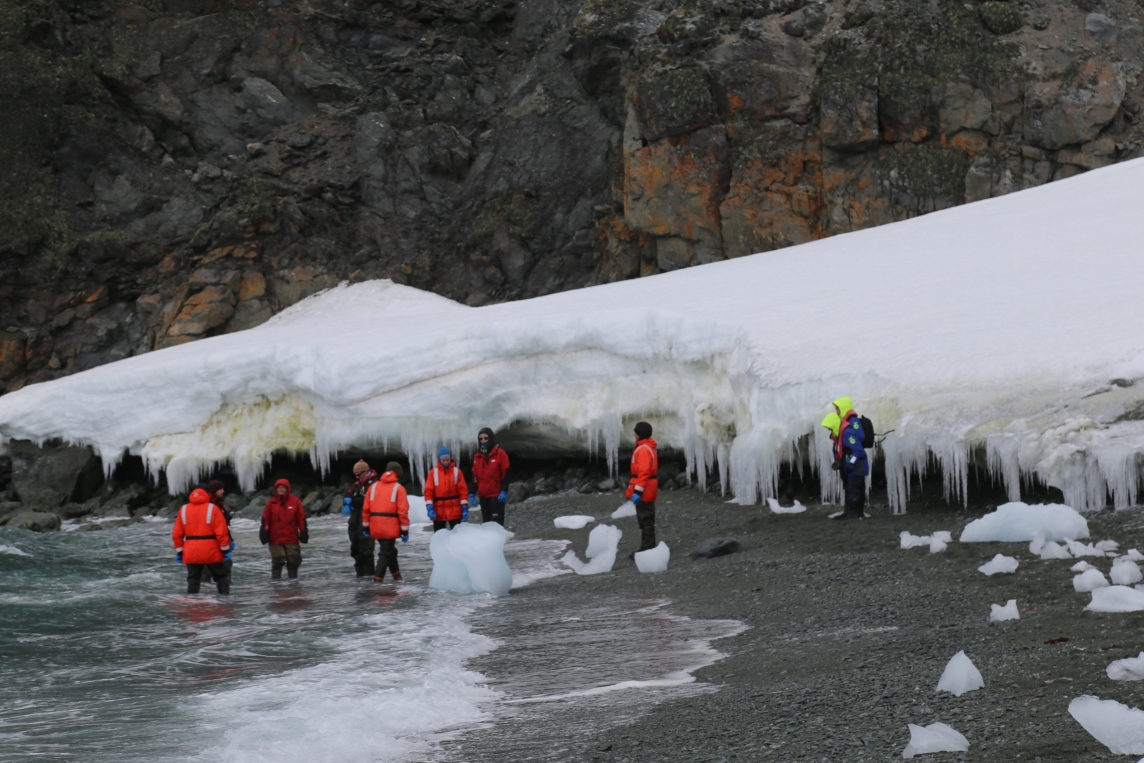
x=846, y=638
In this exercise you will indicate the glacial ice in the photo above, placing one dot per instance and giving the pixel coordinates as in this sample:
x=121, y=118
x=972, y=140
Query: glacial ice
x=945, y=536
x=470, y=558
x=603, y=542
x=999, y=564
x=418, y=515
x=573, y=521
x=654, y=559
x=627, y=509
x=960, y=676
x=1053, y=550
x=1135, y=555
x=1081, y=567
x=937, y=545
x=696, y=352
x=1037, y=543
x=1089, y=580
x=937, y=542
x=1107, y=545
x=1128, y=669
x=908, y=540
x=1017, y=521
x=936, y=737
x=1116, y=598
x=1079, y=549
x=1125, y=572
x=998, y=613
x=797, y=508
x=1118, y=727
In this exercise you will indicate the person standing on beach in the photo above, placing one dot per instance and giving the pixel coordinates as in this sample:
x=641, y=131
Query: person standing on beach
x=385, y=518
x=446, y=494
x=284, y=527
x=217, y=492
x=848, y=435
x=202, y=540
x=360, y=549
x=490, y=472
x=644, y=485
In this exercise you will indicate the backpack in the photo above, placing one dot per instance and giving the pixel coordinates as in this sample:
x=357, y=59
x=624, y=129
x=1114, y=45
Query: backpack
x=867, y=432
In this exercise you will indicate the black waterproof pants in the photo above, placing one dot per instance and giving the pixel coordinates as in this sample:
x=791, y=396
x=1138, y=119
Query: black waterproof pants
x=361, y=548
x=218, y=571
x=855, y=507
x=386, y=558
x=645, y=517
x=208, y=576
x=447, y=524
x=492, y=510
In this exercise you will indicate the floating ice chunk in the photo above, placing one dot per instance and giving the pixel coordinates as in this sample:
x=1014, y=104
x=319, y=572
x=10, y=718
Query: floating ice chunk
x=654, y=559
x=573, y=521
x=603, y=542
x=1018, y=521
x=1089, y=580
x=1081, y=567
x=1125, y=572
x=937, y=545
x=1128, y=669
x=1053, y=550
x=628, y=509
x=1116, y=726
x=999, y=563
x=1083, y=549
x=911, y=541
x=1037, y=543
x=936, y=737
x=417, y=513
x=997, y=613
x=470, y=558
x=797, y=508
x=1116, y=598
x=960, y=675
x=1107, y=545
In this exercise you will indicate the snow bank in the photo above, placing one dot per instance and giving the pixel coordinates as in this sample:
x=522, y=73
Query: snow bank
x=797, y=508
x=470, y=558
x=956, y=359
x=1018, y=522
x=999, y=564
x=960, y=676
x=627, y=509
x=1125, y=572
x=603, y=542
x=998, y=613
x=573, y=522
x=654, y=559
x=1089, y=580
x=1116, y=598
x=1128, y=669
x=936, y=737
x=1118, y=727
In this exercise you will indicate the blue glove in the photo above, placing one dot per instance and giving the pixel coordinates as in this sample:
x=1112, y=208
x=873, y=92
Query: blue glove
x=472, y=498
x=465, y=513
x=179, y=557
x=365, y=534
x=502, y=497
x=404, y=537
x=635, y=499
x=232, y=545
x=347, y=505
x=429, y=510
x=226, y=556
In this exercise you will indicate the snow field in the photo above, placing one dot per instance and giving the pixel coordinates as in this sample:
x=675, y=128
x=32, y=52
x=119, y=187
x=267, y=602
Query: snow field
x=998, y=613
x=654, y=559
x=936, y=737
x=470, y=559
x=603, y=543
x=960, y=676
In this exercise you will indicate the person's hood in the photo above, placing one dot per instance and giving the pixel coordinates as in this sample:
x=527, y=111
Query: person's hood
x=492, y=438
x=844, y=405
x=285, y=482
x=389, y=477
x=648, y=441
x=198, y=495
x=833, y=422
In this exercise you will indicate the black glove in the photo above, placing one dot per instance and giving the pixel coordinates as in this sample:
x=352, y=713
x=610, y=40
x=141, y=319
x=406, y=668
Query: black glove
x=263, y=534
x=835, y=465
x=304, y=535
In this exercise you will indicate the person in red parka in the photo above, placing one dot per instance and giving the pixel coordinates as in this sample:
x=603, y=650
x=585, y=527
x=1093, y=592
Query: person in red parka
x=490, y=472
x=385, y=518
x=644, y=485
x=284, y=527
x=446, y=494
x=201, y=540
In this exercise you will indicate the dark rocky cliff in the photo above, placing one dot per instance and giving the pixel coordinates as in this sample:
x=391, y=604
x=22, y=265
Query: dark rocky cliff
x=175, y=169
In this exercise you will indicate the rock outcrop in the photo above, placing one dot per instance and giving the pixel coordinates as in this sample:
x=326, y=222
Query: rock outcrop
x=175, y=169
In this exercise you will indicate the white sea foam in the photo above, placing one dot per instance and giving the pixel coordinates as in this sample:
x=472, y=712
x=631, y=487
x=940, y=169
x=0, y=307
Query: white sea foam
x=12, y=550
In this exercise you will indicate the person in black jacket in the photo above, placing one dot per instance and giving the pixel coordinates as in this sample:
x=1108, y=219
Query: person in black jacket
x=217, y=492
x=361, y=549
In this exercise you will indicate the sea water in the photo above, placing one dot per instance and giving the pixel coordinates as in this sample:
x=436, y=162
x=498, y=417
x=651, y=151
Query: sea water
x=106, y=659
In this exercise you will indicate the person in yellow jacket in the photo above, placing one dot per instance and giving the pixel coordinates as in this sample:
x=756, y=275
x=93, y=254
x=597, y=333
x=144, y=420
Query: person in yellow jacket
x=385, y=518
x=850, y=461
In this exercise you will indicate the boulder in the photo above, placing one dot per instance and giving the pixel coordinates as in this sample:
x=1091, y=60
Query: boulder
x=36, y=521
x=1075, y=110
x=48, y=477
x=713, y=547
x=518, y=492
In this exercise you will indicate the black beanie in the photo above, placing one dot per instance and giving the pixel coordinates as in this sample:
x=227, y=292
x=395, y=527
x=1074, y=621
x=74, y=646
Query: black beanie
x=395, y=467
x=643, y=430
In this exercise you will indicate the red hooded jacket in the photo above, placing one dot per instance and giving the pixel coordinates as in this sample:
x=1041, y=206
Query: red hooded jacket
x=200, y=530
x=385, y=513
x=489, y=471
x=645, y=470
x=284, y=517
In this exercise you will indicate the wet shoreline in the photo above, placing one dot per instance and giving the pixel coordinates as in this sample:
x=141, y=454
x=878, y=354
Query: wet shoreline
x=847, y=635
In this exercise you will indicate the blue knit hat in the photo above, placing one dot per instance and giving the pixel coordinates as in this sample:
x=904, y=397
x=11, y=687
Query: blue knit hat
x=444, y=451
